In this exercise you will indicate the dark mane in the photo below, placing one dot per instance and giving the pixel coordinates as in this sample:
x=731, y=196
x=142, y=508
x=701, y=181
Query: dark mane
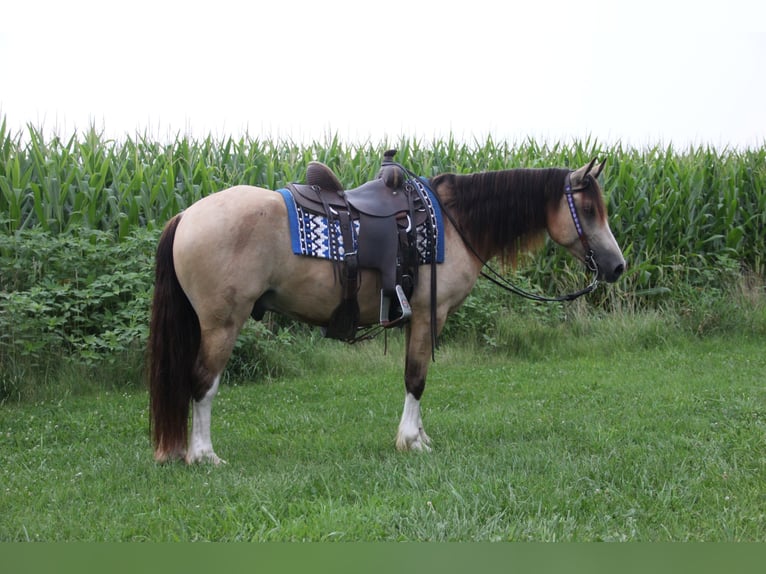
x=502, y=212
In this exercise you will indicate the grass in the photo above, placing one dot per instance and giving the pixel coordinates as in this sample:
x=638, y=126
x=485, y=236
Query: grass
x=624, y=430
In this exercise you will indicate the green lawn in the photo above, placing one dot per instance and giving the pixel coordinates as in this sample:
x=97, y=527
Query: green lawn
x=654, y=441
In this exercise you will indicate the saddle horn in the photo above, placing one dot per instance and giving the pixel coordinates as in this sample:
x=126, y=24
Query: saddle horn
x=390, y=173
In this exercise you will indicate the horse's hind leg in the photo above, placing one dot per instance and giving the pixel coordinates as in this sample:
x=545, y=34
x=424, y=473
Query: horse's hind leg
x=215, y=349
x=200, y=444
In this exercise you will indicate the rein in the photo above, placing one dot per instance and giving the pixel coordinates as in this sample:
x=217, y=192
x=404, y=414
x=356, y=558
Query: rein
x=492, y=275
x=503, y=283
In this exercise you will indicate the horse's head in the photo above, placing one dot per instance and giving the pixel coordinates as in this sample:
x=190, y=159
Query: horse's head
x=578, y=221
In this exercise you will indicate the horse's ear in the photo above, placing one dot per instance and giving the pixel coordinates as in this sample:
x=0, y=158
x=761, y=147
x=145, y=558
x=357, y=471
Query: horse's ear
x=578, y=177
x=598, y=169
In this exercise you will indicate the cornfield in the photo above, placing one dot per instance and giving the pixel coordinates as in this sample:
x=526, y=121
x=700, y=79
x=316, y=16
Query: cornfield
x=677, y=214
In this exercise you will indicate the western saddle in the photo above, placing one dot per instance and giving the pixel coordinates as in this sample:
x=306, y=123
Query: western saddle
x=389, y=210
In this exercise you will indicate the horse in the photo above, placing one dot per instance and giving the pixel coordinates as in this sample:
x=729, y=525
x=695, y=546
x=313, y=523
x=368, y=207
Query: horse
x=227, y=257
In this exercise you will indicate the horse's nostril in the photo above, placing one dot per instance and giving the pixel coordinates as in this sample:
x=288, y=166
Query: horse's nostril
x=619, y=269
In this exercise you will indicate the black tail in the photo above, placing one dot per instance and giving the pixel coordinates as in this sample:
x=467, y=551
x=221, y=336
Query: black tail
x=174, y=339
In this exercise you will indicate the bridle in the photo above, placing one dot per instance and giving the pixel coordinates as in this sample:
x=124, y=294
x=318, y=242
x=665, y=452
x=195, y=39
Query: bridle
x=589, y=258
x=590, y=262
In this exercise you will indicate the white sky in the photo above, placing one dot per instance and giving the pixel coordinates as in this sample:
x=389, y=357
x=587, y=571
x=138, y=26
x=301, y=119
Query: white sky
x=642, y=72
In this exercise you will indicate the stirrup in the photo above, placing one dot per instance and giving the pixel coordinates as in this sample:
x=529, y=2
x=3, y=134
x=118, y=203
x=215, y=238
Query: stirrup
x=385, y=308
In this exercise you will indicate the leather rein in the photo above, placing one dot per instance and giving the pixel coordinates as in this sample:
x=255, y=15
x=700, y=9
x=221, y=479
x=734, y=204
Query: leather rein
x=494, y=276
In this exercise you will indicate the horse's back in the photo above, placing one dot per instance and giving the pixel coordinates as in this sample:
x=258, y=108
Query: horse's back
x=232, y=213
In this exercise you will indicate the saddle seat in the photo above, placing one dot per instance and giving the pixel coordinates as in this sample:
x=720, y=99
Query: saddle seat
x=380, y=197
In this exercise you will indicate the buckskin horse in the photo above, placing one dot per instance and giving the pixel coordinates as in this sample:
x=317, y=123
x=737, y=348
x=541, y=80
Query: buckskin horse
x=229, y=256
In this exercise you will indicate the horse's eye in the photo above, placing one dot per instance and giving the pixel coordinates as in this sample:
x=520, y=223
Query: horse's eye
x=588, y=208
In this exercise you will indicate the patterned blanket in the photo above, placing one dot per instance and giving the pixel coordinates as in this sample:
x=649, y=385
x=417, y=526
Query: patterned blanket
x=314, y=236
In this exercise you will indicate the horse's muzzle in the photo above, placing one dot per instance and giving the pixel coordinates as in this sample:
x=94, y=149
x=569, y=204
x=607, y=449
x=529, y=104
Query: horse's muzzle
x=611, y=272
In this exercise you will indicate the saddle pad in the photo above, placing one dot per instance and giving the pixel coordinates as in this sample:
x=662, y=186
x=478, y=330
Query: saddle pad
x=313, y=235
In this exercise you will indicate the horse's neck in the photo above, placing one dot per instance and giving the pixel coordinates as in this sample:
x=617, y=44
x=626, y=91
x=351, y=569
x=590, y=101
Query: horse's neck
x=501, y=212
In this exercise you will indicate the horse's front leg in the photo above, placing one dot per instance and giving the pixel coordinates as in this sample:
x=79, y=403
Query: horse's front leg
x=411, y=435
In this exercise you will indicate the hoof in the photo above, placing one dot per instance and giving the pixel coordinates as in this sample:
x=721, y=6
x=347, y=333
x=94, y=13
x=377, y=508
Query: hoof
x=163, y=456
x=419, y=443
x=204, y=457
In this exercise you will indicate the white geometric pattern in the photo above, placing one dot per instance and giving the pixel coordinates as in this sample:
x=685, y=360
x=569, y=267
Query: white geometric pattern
x=319, y=238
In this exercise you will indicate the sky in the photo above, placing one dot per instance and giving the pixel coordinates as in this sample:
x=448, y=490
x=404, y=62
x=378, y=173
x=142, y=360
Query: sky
x=640, y=73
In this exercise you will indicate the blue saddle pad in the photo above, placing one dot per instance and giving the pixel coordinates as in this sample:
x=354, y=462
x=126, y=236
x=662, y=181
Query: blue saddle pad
x=313, y=235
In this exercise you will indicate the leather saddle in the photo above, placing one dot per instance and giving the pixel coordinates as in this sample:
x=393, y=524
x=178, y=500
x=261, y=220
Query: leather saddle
x=389, y=209
x=380, y=197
